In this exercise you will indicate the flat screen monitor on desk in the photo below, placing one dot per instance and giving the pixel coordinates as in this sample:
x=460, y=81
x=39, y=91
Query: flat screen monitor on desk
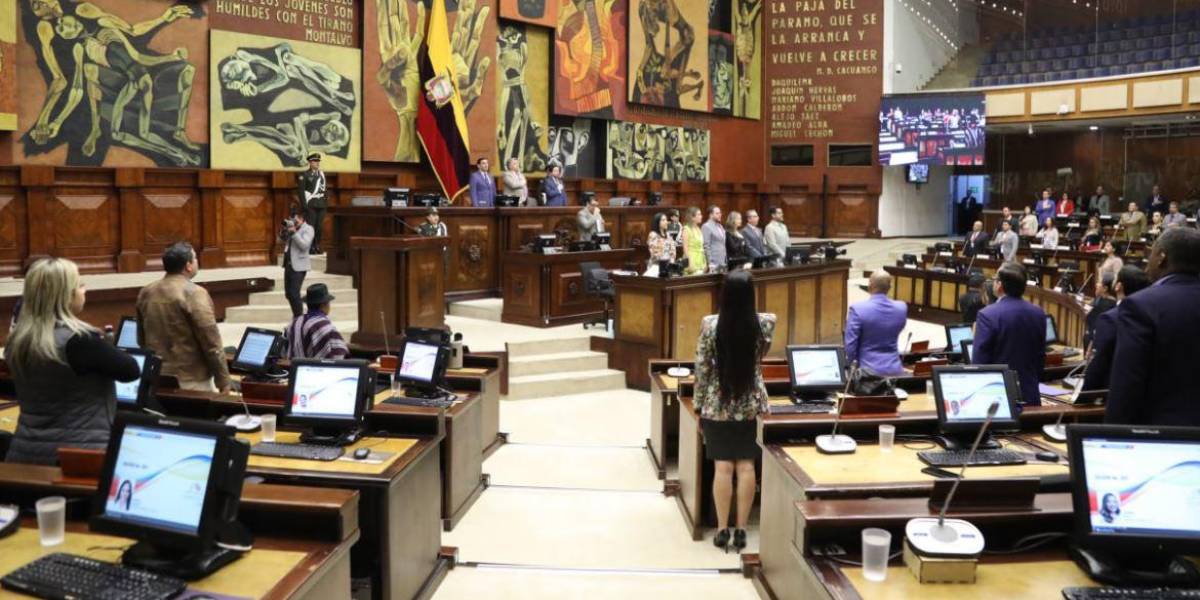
x=174, y=485
x=963, y=395
x=139, y=393
x=330, y=397
x=816, y=371
x=1135, y=492
x=968, y=350
x=955, y=334
x=257, y=350
x=127, y=333
x=1051, y=331
x=422, y=367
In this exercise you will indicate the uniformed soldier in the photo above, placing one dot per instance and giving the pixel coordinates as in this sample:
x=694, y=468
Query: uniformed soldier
x=311, y=194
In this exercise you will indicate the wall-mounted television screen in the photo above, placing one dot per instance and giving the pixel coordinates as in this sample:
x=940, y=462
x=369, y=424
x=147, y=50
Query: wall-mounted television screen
x=934, y=129
x=918, y=173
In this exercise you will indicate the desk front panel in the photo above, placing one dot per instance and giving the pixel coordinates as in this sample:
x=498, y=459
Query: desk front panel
x=1040, y=579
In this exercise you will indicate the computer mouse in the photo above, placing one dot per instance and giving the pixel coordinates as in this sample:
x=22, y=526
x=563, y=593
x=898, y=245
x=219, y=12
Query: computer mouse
x=362, y=453
x=1046, y=456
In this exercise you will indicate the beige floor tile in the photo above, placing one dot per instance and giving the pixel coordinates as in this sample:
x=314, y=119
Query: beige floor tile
x=613, y=418
x=494, y=584
x=552, y=466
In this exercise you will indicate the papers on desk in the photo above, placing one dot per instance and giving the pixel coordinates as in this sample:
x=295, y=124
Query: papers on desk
x=1054, y=391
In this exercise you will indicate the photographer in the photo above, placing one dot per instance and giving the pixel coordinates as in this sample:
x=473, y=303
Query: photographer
x=298, y=237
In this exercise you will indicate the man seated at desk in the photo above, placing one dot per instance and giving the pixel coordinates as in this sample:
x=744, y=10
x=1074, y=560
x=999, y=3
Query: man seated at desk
x=1012, y=332
x=977, y=241
x=873, y=327
x=1130, y=280
x=312, y=335
x=589, y=220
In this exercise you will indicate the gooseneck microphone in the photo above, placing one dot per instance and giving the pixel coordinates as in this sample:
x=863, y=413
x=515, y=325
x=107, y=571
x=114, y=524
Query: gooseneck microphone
x=387, y=349
x=246, y=422
x=951, y=538
x=834, y=443
x=908, y=343
x=1058, y=432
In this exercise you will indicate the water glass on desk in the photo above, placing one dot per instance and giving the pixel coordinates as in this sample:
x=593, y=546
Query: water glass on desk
x=268, y=428
x=52, y=520
x=876, y=548
x=887, y=437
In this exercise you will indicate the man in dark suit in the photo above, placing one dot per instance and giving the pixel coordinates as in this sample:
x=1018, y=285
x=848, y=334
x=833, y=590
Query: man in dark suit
x=311, y=194
x=1130, y=280
x=1155, y=379
x=976, y=242
x=1013, y=332
x=1155, y=203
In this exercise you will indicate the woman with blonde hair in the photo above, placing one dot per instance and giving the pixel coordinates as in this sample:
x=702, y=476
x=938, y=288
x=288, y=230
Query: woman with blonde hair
x=692, y=240
x=62, y=368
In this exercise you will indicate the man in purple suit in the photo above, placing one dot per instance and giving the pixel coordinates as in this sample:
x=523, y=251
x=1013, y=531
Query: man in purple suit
x=1013, y=332
x=1154, y=376
x=873, y=327
x=483, y=187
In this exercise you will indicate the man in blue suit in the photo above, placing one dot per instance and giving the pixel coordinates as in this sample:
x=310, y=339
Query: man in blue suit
x=1013, y=332
x=483, y=187
x=1155, y=379
x=1130, y=280
x=873, y=327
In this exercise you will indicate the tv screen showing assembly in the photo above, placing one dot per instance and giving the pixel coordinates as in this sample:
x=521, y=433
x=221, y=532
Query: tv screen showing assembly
x=932, y=129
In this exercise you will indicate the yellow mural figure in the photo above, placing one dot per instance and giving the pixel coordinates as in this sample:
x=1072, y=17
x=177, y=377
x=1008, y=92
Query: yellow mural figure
x=398, y=73
x=469, y=67
x=746, y=48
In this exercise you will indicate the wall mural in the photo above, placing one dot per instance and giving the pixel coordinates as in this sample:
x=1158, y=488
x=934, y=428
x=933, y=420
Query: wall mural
x=668, y=55
x=589, y=58
x=274, y=101
x=396, y=29
x=747, y=100
x=523, y=99
x=657, y=152
x=720, y=72
x=537, y=12
x=106, y=88
x=573, y=144
x=8, y=65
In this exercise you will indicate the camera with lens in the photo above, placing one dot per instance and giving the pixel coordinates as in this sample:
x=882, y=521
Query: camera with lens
x=287, y=227
x=831, y=252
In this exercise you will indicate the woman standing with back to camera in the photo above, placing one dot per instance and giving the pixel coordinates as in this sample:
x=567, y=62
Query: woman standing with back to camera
x=730, y=395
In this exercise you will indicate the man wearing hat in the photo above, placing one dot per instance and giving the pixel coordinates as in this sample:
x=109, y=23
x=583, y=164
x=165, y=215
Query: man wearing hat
x=433, y=225
x=298, y=235
x=311, y=194
x=312, y=335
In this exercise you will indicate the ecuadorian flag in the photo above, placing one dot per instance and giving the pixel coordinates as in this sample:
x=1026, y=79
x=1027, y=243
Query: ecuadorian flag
x=441, y=119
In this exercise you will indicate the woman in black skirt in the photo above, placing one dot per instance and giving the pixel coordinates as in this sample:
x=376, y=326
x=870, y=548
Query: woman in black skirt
x=730, y=395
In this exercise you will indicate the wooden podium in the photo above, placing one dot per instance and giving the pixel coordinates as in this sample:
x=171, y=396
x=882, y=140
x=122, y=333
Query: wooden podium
x=402, y=277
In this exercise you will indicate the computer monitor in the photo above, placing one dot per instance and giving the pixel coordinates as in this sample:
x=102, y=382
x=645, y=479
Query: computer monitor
x=760, y=262
x=1051, y=330
x=955, y=334
x=816, y=371
x=127, y=333
x=422, y=366
x=1134, y=493
x=583, y=246
x=507, y=201
x=968, y=348
x=174, y=485
x=963, y=394
x=603, y=239
x=797, y=255
x=139, y=393
x=431, y=335
x=330, y=397
x=257, y=350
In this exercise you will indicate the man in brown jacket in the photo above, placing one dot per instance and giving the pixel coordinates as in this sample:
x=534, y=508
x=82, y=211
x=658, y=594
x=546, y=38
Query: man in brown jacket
x=176, y=321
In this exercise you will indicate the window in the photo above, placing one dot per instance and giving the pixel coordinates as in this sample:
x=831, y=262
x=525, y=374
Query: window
x=792, y=156
x=858, y=155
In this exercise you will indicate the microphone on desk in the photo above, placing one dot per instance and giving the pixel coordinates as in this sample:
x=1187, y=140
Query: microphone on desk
x=1058, y=432
x=246, y=422
x=970, y=264
x=835, y=443
x=944, y=537
x=401, y=221
x=908, y=343
x=387, y=349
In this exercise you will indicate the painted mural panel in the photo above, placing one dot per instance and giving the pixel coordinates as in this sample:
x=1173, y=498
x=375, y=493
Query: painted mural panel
x=668, y=53
x=8, y=65
x=536, y=12
x=574, y=143
x=116, y=84
x=274, y=101
x=657, y=152
x=747, y=31
x=523, y=97
x=589, y=58
x=720, y=72
x=394, y=32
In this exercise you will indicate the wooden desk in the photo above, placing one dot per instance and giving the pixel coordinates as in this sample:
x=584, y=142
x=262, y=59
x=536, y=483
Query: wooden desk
x=547, y=290
x=400, y=279
x=660, y=318
x=663, y=443
x=8, y=417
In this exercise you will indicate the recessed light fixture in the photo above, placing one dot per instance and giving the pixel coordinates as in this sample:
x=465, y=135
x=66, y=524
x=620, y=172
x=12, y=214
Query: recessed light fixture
x=1094, y=127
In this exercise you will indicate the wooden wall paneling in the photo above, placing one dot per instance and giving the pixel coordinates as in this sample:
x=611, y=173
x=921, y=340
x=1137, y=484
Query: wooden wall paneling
x=474, y=253
x=776, y=298
x=801, y=209
x=691, y=306
x=246, y=206
x=853, y=211
x=212, y=236
x=425, y=302
x=831, y=310
x=522, y=290
x=638, y=316
x=86, y=213
x=131, y=219
x=804, y=312
x=14, y=233
x=171, y=210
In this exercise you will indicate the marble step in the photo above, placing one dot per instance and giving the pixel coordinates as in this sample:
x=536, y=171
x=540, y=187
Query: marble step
x=564, y=383
x=541, y=364
x=282, y=314
x=487, y=309
x=276, y=297
x=548, y=346
x=319, y=261
x=333, y=281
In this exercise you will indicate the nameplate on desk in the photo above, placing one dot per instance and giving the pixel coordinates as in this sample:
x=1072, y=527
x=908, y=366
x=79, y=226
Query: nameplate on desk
x=951, y=254
x=551, y=250
x=859, y=406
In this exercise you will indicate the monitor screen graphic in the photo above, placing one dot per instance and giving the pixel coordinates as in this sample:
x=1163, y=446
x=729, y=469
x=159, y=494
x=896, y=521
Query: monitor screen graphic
x=127, y=393
x=966, y=396
x=812, y=367
x=325, y=391
x=255, y=349
x=160, y=479
x=1143, y=487
x=419, y=361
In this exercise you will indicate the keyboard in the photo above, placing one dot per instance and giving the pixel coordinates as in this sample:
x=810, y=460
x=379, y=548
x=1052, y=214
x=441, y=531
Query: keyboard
x=426, y=402
x=956, y=458
x=1069, y=352
x=1117, y=593
x=802, y=408
x=304, y=451
x=62, y=576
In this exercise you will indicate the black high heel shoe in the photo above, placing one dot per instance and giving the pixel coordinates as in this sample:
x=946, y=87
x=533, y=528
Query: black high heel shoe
x=739, y=540
x=722, y=539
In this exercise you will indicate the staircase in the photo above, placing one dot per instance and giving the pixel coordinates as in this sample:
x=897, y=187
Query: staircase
x=559, y=367
x=270, y=309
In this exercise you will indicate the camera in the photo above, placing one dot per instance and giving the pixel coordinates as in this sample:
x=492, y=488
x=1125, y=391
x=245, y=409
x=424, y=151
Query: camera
x=287, y=228
x=831, y=252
